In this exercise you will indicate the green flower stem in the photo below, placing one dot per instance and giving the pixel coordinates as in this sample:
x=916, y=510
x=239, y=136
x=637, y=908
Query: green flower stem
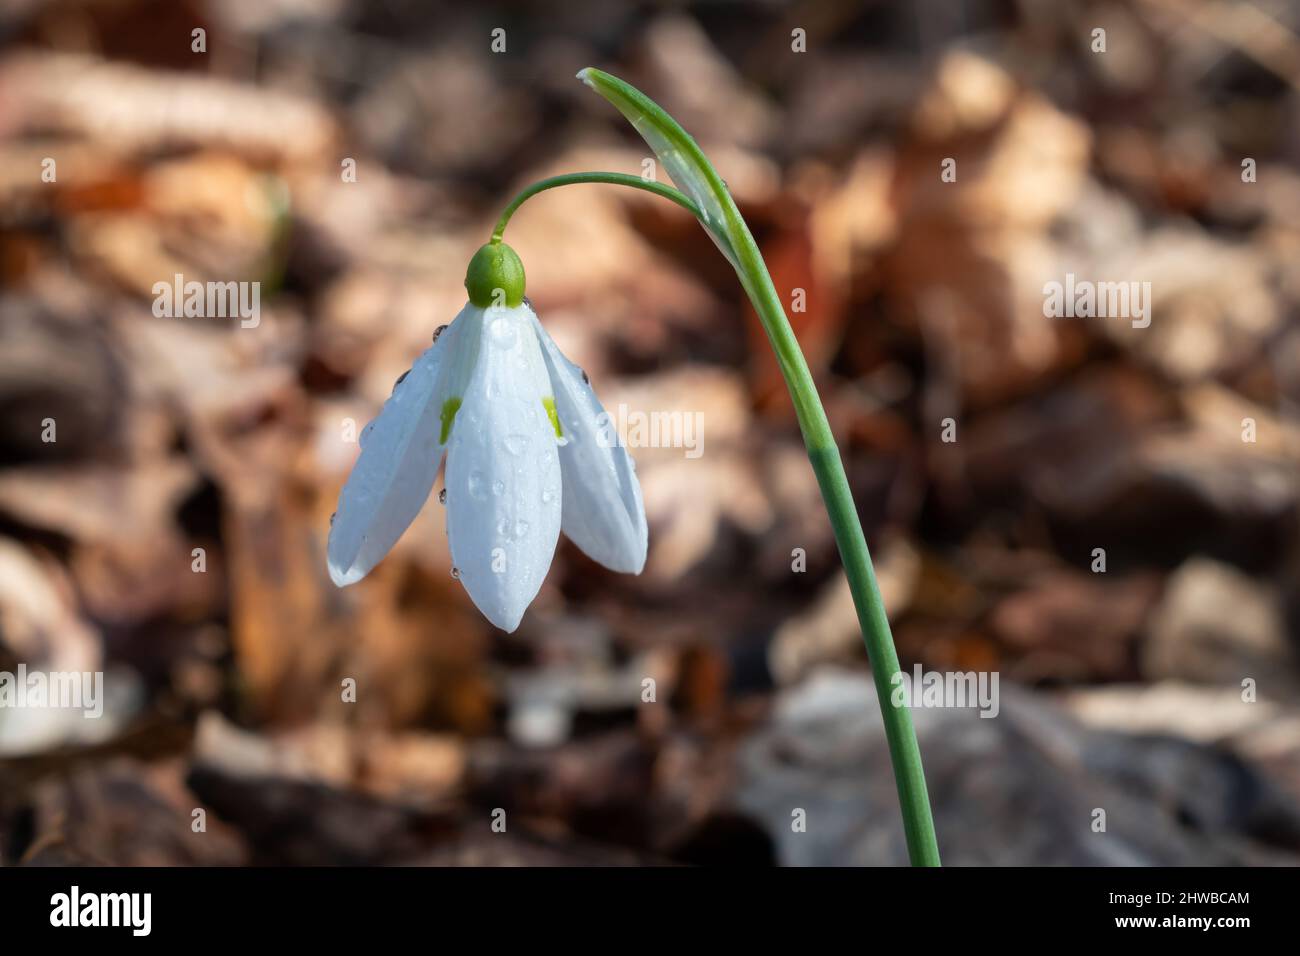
x=571, y=179
x=824, y=455
x=711, y=203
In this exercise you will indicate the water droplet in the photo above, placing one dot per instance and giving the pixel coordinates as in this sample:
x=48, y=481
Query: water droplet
x=562, y=440
x=585, y=380
x=498, y=487
x=477, y=485
x=503, y=333
x=503, y=526
x=548, y=495
x=515, y=444
x=400, y=379
x=438, y=331
x=332, y=517
x=455, y=573
x=521, y=529
x=442, y=497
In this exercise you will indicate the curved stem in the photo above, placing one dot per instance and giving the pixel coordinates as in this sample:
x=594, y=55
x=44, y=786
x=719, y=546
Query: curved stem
x=691, y=170
x=617, y=179
x=824, y=455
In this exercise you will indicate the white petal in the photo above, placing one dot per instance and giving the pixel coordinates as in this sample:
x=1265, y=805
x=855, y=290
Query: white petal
x=503, y=477
x=603, y=511
x=400, y=454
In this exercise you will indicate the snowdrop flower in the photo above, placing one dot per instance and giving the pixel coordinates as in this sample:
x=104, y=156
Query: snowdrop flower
x=530, y=453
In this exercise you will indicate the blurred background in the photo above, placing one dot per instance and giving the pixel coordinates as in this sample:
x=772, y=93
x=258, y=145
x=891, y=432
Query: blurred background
x=350, y=156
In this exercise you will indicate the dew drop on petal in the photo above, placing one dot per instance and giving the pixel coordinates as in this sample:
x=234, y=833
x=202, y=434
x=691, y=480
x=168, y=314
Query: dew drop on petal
x=585, y=379
x=455, y=573
x=498, y=487
x=515, y=444
x=438, y=331
x=332, y=517
x=478, y=485
x=442, y=496
x=548, y=495
x=521, y=529
x=503, y=333
x=400, y=379
x=503, y=526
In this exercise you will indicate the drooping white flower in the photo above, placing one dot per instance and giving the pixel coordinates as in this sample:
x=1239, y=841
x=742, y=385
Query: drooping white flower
x=530, y=453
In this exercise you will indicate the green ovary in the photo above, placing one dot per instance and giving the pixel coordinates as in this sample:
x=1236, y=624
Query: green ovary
x=449, y=409
x=553, y=415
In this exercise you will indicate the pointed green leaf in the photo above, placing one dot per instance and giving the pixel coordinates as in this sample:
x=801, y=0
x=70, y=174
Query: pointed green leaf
x=679, y=154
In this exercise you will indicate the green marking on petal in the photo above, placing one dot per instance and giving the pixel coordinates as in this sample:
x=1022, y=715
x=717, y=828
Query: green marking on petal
x=554, y=416
x=449, y=409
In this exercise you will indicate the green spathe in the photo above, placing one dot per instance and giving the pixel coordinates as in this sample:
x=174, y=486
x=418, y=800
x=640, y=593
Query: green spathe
x=495, y=277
